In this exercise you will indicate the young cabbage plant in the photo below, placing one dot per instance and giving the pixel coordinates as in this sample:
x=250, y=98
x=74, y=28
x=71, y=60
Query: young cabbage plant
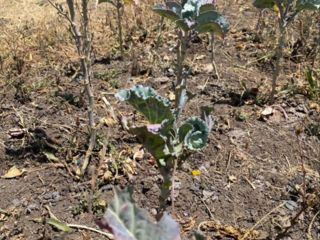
x=168, y=140
x=286, y=11
x=119, y=6
x=191, y=15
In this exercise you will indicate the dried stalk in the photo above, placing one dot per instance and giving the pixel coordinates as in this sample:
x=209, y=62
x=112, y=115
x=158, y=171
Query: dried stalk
x=83, y=39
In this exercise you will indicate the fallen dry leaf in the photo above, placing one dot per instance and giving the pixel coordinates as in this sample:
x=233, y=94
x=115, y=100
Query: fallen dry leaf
x=138, y=154
x=13, y=172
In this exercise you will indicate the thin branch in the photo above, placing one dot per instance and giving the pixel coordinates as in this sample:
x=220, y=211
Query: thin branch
x=108, y=235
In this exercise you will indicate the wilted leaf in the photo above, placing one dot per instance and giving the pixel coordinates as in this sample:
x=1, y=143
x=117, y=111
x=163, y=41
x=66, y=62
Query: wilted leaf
x=13, y=172
x=145, y=100
x=127, y=222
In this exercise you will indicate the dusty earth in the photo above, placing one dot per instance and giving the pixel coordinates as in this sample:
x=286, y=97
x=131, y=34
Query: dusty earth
x=259, y=172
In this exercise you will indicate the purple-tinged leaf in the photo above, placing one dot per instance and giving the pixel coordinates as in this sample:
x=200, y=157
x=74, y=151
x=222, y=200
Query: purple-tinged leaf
x=128, y=222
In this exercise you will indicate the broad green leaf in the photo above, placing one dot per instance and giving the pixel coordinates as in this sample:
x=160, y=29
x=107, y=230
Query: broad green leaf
x=184, y=130
x=151, y=139
x=308, y=4
x=212, y=21
x=264, y=3
x=181, y=23
x=145, y=100
x=165, y=12
x=195, y=133
x=175, y=7
x=128, y=222
x=206, y=7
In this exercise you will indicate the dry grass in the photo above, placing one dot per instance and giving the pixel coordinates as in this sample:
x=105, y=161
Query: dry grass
x=32, y=33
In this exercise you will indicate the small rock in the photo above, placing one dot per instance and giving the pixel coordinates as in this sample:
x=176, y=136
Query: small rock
x=267, y=111
x=291, y=205
x=153, y=211
x=32, y=207
x=16, y=202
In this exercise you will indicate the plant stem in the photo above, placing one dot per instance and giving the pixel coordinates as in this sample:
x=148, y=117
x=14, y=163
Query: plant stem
x=159, y=33
x=181, y=52
x=167, y=172
x=214, y=65
x=180, y=86
x=173, y=186
x=86, y=71
x=279, y=55
x=120, y=38
x=165, y=190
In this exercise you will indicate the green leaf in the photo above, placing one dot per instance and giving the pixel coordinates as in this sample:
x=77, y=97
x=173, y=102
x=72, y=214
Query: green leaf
x=308, y=4
x=128, y=222
x=207, y=7
x=212, y=21
x=183, y=25
x=152, y=141
x=145, y=100
x=174, y=7
x=59, y=225
x=165, y=12
x=194, y=133
x=264, y=3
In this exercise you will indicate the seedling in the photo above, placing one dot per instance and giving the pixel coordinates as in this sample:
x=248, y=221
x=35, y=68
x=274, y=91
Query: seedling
x=119, y=6
x=191, y=15
x=286, y=11
x=168, y=140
